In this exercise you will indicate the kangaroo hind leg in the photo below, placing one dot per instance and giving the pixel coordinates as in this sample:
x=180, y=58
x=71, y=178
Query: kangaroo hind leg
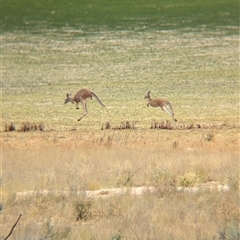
x=85, y=111
x=168, y=109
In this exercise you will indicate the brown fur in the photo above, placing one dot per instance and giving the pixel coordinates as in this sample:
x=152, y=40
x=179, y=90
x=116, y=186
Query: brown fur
x=162, y=103
x=82, y=97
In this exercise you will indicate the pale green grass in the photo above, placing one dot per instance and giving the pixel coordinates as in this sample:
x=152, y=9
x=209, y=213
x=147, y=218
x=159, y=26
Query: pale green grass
x=196, y=71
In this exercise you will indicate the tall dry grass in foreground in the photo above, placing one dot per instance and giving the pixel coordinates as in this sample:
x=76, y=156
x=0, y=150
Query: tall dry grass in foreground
x=79, y=161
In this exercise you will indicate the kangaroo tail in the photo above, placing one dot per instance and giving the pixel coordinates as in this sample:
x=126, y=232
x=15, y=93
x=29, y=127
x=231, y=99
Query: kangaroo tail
x=94, y=95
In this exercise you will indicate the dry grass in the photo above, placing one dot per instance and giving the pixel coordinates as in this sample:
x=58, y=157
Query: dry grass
x=75, y=161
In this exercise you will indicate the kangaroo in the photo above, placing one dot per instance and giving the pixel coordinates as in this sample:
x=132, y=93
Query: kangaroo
x=162, y=103
x=82, y=97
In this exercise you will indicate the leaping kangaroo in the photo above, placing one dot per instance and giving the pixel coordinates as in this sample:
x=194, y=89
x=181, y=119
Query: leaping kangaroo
x=82, y=97
x=162, y=103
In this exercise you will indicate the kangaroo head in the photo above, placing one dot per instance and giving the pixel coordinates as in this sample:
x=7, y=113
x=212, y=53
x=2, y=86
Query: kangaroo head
x=148, y=95
x=68, y=99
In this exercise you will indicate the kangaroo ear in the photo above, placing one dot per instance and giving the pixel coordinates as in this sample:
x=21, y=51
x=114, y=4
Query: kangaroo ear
x=67, y=95
x=149, y=92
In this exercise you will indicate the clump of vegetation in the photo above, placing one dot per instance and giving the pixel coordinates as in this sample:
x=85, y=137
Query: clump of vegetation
x=227, y=216
x=208, y=137
x=190, y=179
x=107, y=126
x=175, y=144
x=161, y=125
x=94, y=186
x=167, y=125
x=124, y=179
x=51, y=233
x=233, y=182
x=83, y=209
x=124, y=125
x=24, y=127
x=117, y=236
x=164, y=181
x=9, y=127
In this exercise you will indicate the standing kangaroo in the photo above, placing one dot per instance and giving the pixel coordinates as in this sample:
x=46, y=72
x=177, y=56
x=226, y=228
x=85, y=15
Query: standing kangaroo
x=162, y=103
x=82, y=96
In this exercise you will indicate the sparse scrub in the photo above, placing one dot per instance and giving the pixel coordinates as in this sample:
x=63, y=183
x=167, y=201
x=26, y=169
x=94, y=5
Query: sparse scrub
x=175, y=144
x=228, y=218
x=24, y=127
x=123, y=166
x=108, y=139
x=10, y=127
x=208, y=136
x=191, y=179
x=124, y=179
x=233, y=182
x=117, y=236
x=105, y=126
x=164, y=181
x=124, y=125
x=161, y=125
x=93, y=186
x=83, y=209
x=51, y=233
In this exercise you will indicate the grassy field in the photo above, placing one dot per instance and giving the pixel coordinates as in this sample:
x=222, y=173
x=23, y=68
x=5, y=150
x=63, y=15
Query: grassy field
x=153, y=14
x=185, y=52
x=198, y=74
